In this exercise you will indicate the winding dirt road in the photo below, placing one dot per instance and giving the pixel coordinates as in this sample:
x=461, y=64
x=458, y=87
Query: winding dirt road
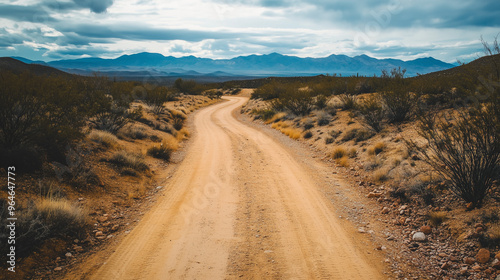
x=240, y=206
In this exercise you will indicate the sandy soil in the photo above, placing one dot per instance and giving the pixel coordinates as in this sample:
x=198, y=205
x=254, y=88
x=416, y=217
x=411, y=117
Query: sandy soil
x=242, y=206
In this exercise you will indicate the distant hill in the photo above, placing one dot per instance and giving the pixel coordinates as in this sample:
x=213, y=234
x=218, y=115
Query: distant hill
x=16, y=66
x=273, y=64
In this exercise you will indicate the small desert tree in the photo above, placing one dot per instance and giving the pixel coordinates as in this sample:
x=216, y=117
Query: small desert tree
x=399, y=101
x=372, y=112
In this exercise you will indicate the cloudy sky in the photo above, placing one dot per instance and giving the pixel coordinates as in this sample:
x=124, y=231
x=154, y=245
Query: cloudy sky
x=61, y=29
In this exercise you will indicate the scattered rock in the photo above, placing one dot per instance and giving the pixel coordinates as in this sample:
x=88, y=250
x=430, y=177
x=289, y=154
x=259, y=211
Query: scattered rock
x=469, y=260
x=419, y=236
x=496, y=264
x=497, y=256
x=115, y=228
x=361, y=230
x=446, y=265
x=483, y=256
x=385, y=210
x=374, y=194
x=58, y=268
x=102, y=219
x=426, y=230
x=99, y=233
x=68, y=255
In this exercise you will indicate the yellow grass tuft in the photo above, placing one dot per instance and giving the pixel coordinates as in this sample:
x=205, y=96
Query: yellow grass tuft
x=103, y=137
x=338, y=152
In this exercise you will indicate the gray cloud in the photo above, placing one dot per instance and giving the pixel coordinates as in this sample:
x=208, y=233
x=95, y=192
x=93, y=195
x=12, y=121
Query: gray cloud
x=25, y=13
x=96, y=6
x=128, y=31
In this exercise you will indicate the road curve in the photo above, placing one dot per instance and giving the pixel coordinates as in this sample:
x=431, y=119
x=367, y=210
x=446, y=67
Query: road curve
x=238, y=207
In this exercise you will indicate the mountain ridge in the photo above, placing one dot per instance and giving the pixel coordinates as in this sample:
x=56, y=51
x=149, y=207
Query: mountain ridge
x=256, y=64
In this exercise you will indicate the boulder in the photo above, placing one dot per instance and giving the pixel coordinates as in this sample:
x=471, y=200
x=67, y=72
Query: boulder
x=483, y=256
x=426, y=230
x=419, y=236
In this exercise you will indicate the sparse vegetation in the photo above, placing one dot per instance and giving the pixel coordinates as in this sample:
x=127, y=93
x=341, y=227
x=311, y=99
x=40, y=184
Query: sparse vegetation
x=130, y=160
x=164, y=150
x=338, y=152
x=103, y=137
x=437, y=218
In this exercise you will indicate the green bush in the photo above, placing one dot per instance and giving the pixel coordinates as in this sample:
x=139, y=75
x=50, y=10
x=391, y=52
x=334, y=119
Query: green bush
x=372, y=112
x=298, y=102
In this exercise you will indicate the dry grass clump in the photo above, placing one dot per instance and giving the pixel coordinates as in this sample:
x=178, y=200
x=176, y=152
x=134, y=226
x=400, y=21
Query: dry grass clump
x=352, y=153
x=276, y=117
x=343, y=161
x=380, y=175
x=338, y=152
x=182, y=134
x=165, y=149
x=105, y=138
x=437, y=218
x=376, y=149
x=286, y=129
x=130, y=160
x=134, y=132
x=358, y=134
x=49, y=218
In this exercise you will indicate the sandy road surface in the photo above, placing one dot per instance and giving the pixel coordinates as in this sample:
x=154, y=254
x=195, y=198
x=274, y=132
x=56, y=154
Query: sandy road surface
x=238, y=207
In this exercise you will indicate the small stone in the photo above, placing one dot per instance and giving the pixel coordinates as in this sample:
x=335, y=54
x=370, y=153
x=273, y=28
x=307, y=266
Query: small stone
x=102, y=219
x=419, y=236
x=479, y=230
x=469, y=260
x=374, y=194
x=476, y=268
x=426, y=230
x=76, y=241
x=496, y=264
x=464, y=270
x=446, y=265
x=115, y=228
x=361, y=230
x=58, y=268
x=483, y=256
x=99, y=233
x=385, y=210
x=68, y=255
x=497, y=256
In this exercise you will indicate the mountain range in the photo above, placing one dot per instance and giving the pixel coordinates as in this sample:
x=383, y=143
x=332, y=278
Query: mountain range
x=274, y=64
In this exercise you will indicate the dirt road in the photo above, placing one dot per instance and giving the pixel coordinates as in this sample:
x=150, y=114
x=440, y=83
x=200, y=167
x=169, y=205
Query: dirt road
x=240, y=206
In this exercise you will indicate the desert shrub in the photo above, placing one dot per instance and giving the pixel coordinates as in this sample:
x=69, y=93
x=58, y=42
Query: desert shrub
x=134, y=132
x=110, y=119
x=343, y=161
x=75, y=169
x=400, y=104
x=308, y=134
x=323, y=118
x=103, y=137
x=126, y=159
x=329, y=140
x=376, y=149
x=380, y=175
x=298, y=102
x=352, y=153
x=372, y=112
x=272, y=90
x=437, y=218
x=49, y=218
x=163, y=150
x=338, y=152
x=264, y=114
x=189, y=87
x=308, y=124
x=321, y=101
x=464, y=150
x=348, y=101
x=358, y=134
x=156, y=96
x=177, y=119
